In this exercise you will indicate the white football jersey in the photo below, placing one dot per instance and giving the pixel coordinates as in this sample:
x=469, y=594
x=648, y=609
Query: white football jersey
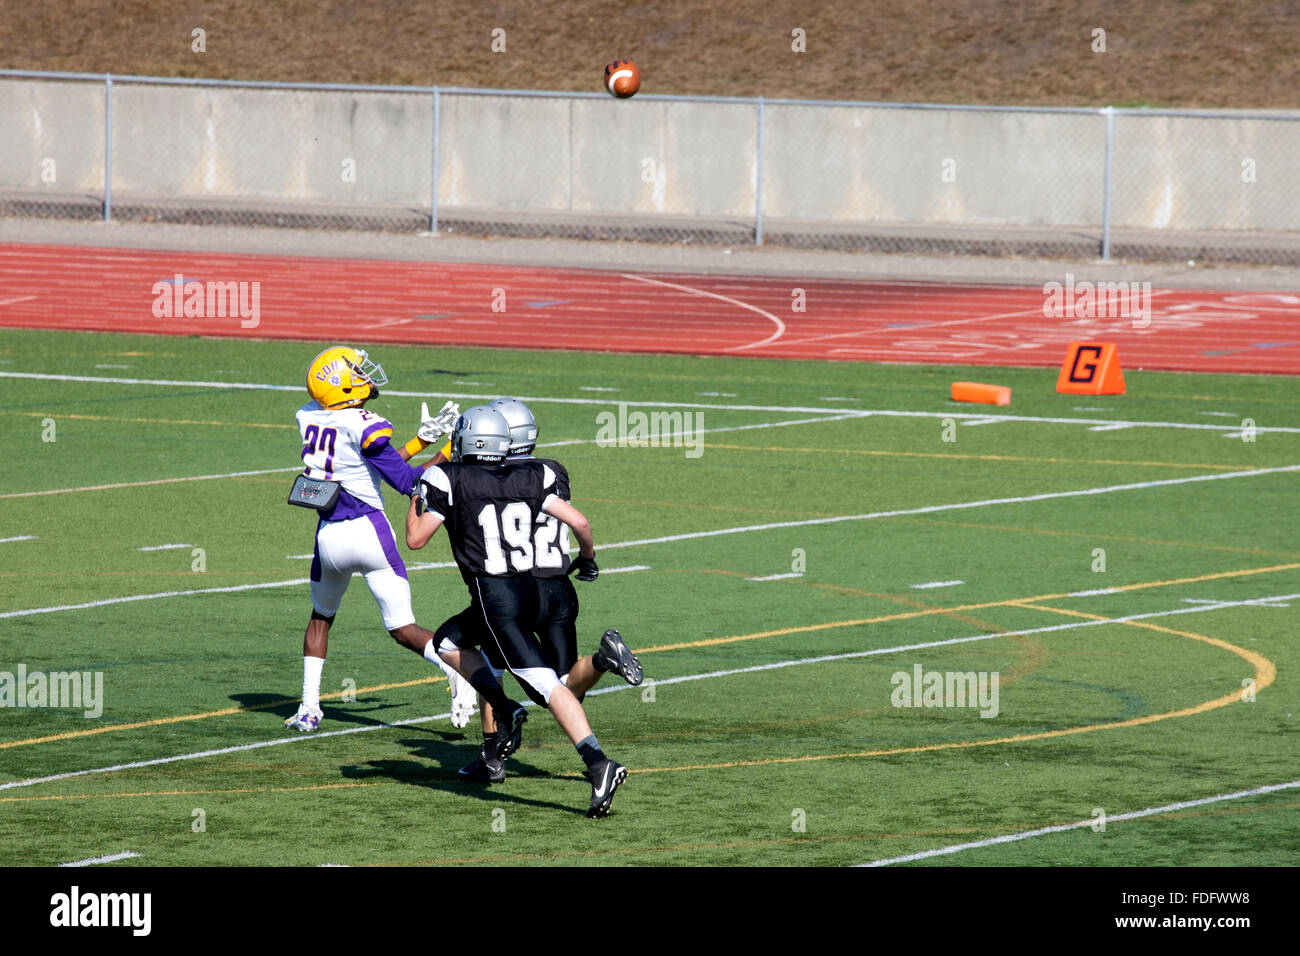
x=331, y=448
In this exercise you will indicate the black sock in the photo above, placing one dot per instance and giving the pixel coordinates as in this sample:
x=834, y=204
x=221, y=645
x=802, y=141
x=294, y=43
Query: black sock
x=589, y=750
x=483, y=681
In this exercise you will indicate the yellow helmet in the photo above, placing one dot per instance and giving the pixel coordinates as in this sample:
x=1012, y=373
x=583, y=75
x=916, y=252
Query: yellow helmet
x=341, y=377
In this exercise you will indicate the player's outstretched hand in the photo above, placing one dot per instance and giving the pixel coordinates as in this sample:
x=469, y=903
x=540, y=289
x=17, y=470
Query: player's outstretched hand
x=433, y=427
x=586, y=568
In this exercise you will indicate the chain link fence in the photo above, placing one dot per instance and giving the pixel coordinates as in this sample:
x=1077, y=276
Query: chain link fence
x=860, y=177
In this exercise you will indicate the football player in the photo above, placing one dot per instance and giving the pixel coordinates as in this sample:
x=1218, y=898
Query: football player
x=556, y=599
x=490, y=509
x=351, y=447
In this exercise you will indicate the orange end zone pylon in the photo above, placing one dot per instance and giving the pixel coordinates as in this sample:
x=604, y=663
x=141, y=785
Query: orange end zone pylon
x=985, y=394
x=1091, y=368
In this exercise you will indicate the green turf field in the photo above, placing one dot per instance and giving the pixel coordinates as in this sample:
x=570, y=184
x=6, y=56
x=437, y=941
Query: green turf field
x=767, y=732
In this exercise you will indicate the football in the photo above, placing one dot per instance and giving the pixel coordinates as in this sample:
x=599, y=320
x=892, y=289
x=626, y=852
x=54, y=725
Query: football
x=622, y=79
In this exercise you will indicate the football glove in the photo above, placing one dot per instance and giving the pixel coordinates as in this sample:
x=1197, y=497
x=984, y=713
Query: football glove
x=433, y=427
x=586, y=568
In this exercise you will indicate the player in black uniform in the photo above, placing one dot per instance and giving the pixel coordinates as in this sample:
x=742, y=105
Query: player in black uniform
x=556, y=597
x=490, y=509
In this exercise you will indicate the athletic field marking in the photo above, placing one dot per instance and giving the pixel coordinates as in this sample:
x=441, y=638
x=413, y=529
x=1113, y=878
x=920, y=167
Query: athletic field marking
x=21, y=537
x=1214, y=601
x=960, y=457
x=94, y=860
x=1108, y=428
x=298, y=557
x=154, y=481
x=150, y=421
x=908, y=615
x=1094, y=592
x=164, y=547
x=188, y=793
x=626, y=569
x=737, y=428
x=937, y=584
x=1061, y=828
x=597, y=388
x=887, y=413
x=223, y=712
x=1266, y=673
x=778, y=577
x=780, y=326
x=929, y=509
x=982, y=421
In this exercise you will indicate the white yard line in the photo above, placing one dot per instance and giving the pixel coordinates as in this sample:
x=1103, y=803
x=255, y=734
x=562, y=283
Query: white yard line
x=625, y=569
x=778, y=577
x=1061, y=828
x=164, y=547
x=692, y=535
x=543, y=399
x=937, y=584
x=757, y=668
x=154, y=481
x=94, y=860
x=21, y=537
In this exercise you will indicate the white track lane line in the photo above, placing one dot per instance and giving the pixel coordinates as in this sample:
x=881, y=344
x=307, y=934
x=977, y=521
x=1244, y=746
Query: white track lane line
x=692, y=535
x=94, y=860
x=1061, y=828
x=757, y=668
x=544, y=399
x=780, y=326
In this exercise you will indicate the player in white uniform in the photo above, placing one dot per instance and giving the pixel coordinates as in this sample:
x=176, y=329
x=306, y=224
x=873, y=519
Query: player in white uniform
x=344, y=443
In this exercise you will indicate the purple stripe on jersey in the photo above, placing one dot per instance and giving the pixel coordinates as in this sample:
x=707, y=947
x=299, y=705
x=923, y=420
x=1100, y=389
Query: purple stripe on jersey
x=315, y=555
x=389, y=545
x=348, y=506
x=383, y=457
x=377, y=426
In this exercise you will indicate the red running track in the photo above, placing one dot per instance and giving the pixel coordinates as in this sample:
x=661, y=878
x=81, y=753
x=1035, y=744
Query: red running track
x=113, y=290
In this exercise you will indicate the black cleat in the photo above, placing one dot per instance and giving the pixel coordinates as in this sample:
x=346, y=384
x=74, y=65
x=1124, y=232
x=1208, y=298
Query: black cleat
x=510, y=732
x=484, y=769
x=613, y=655
x=605, y=777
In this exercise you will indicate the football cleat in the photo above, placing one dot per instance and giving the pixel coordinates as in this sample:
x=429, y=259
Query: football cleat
x=307, y=718
x=613, y=655
x=484, y=769
x=605, y=777
x=463, y=700
x=510, y=732
x=341, y=377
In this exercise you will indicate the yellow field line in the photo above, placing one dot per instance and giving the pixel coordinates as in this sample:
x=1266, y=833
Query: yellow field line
x=905, y=615
x=224, y=712
x=1265, y=674
x=1097, y=537
x=934, y=454
x=190, y=793
x=709, y=642
x=146, y=421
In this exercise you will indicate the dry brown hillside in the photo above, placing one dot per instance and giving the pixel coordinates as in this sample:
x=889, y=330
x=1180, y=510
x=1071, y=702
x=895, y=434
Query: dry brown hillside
x=1158, y=52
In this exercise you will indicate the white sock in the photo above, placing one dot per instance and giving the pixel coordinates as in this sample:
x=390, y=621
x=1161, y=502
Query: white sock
x=311, y=668
x=431, y=655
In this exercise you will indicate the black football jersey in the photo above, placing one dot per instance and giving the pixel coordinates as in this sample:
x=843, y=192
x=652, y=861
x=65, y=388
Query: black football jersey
x=551, y=537
x=490, y=512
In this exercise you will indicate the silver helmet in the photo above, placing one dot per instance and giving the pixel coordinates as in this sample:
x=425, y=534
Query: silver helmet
x=523, y=427
x=481, y=435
